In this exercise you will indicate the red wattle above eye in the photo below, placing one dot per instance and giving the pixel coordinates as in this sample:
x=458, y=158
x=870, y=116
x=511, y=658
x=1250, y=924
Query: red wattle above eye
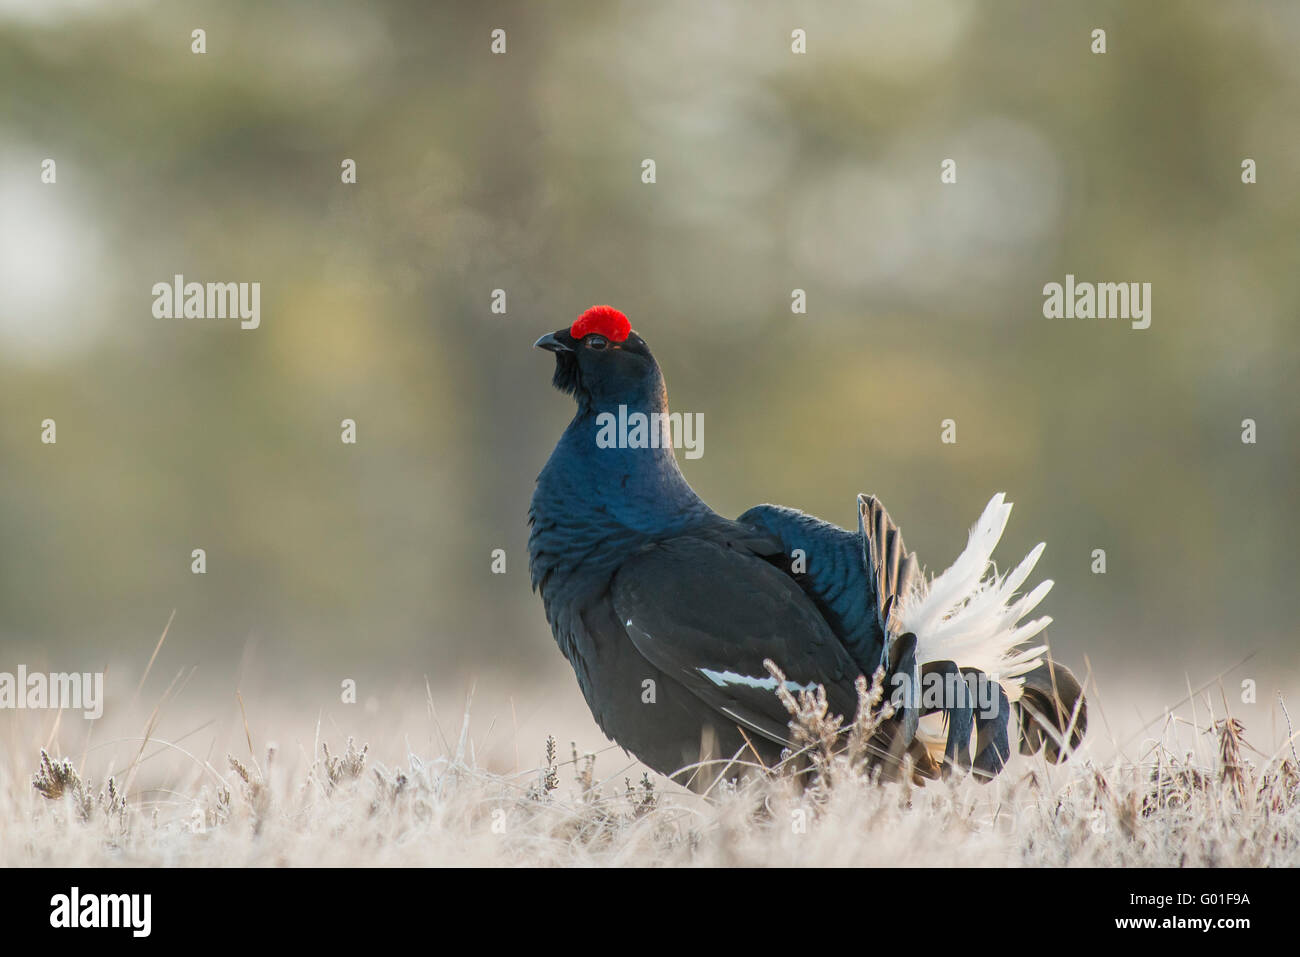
x=603, y=321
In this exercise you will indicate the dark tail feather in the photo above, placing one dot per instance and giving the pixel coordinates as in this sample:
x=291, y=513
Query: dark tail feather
x=1052, y=712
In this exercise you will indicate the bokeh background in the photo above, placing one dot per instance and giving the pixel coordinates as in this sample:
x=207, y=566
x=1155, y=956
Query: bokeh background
x=523, y=172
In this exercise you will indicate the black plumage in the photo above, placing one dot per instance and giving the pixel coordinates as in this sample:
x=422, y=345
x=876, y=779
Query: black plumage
x=667, y=611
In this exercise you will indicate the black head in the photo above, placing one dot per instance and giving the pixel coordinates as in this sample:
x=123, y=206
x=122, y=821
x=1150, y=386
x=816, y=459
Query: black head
x=601, y=362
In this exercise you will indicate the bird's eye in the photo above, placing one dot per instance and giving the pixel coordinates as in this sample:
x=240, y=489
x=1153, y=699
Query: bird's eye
x=596, y=342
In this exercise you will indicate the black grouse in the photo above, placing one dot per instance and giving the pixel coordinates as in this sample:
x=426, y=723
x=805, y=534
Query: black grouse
x=668, y=611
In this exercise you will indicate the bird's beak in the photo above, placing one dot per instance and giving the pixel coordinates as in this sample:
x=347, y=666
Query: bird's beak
x=551, y=343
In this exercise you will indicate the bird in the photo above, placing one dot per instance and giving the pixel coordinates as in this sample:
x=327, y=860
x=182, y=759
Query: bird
x=680, y=623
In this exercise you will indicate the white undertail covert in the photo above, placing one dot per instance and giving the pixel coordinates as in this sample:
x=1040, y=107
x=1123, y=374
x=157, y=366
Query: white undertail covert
x=970, y=613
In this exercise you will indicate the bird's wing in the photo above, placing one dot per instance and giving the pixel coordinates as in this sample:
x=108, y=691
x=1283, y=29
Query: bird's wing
x=827, y=562
x=709, y=615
